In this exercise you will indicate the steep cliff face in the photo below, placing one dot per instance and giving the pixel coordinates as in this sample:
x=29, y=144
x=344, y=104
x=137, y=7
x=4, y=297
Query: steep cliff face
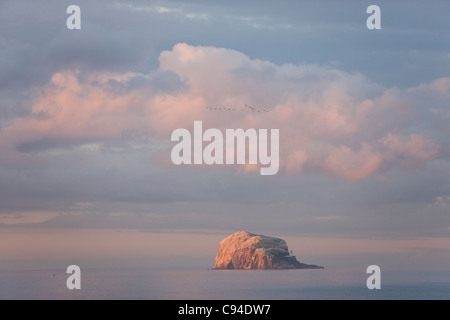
x=245, y=250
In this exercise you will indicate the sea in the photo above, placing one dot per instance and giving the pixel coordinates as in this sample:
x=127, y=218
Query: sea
x=199, y=283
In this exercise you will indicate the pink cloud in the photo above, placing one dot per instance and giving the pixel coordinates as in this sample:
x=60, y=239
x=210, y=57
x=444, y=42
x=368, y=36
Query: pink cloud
x=330, y=121
x=409, y=151
x=353, y=165
x=295, y=161
x=440, y=86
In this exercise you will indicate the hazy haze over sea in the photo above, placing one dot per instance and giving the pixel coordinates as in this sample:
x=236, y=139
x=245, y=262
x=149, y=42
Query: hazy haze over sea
x=201, y=283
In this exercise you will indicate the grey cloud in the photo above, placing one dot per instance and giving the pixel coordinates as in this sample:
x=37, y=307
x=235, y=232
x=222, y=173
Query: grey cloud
x=97, y=188
x=159, y=81
x=328, y=32
x=412, y=48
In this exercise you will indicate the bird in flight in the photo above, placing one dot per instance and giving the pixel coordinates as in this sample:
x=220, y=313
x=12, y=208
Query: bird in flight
x=242, y=109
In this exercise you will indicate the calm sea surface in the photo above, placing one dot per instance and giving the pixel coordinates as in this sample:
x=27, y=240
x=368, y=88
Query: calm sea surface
x=201, y=283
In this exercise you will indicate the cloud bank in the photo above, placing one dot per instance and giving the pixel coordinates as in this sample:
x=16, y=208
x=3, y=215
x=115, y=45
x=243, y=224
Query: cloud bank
x=331, y=122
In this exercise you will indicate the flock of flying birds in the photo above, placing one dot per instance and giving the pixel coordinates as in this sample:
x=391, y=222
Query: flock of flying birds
x=242, y=109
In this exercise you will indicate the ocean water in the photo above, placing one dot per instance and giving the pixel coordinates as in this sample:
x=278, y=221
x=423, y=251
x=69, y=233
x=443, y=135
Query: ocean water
x=201, y=283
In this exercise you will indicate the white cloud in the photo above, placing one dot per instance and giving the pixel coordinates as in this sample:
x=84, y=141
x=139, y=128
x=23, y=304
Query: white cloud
x=330, y=121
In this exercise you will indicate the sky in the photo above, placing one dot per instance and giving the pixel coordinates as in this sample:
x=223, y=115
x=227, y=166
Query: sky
x=86, y=118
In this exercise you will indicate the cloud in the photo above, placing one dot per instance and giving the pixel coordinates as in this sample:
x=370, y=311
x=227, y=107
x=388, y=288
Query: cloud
x=439, y=87
x=409, y=150
x=353, y=165
x=330, y=121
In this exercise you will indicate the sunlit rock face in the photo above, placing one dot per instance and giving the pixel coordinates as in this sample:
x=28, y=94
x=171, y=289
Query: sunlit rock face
x=245, y=250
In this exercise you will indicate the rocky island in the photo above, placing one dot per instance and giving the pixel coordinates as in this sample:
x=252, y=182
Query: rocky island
x=245, y=250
